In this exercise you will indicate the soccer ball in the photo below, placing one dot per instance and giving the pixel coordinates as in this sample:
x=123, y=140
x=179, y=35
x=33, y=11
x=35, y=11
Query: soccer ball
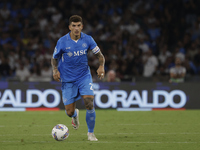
x=60, y=132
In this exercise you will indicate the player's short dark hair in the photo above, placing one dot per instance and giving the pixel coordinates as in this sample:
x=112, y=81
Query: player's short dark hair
x=75, y=18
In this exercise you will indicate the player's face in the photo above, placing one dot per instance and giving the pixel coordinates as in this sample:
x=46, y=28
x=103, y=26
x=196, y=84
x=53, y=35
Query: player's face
x=76, y=28
x=178, y=61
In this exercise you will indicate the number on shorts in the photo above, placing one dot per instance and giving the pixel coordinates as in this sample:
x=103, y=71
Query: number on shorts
x=91, y=86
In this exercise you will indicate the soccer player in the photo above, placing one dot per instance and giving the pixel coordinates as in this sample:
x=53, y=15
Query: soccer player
x=70, y=66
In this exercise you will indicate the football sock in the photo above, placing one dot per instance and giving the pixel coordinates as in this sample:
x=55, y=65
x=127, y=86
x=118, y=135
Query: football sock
x=74, y=115
x=90, y=119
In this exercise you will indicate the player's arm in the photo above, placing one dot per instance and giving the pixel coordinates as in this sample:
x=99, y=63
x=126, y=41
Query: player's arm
x=176, y=76
x=182, y=75
x=183, y=72
x=100, y=70
x=56, y=73
x=172, y=75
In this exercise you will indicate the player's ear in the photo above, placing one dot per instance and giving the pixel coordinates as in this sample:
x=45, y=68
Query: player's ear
x=69, y=27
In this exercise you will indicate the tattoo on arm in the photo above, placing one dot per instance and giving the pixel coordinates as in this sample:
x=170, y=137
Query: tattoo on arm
x=101, y=58
x=54, y=64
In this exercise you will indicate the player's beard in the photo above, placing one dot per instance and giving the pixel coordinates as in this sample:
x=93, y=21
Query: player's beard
x=76, y=37
x=77, y=34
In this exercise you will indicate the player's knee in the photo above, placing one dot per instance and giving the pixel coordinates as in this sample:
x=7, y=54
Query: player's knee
x=88, y=103
x=69, y=113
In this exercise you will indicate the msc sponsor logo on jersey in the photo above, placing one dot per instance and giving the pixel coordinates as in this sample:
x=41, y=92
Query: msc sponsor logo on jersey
x=79, y=53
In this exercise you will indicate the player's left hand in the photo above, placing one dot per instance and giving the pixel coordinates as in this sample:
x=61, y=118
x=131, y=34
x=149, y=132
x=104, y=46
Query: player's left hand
x=101, y=72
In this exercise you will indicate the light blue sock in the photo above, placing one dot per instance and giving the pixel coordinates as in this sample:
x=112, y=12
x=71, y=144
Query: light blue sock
x=90, y=119
x=74, y=115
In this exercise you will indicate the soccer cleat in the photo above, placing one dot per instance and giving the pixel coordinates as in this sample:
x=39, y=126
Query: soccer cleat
x=91, y=137
x=75, y=120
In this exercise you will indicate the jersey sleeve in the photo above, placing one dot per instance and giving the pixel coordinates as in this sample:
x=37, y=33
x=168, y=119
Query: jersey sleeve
x=57, y=51
x=93, y=46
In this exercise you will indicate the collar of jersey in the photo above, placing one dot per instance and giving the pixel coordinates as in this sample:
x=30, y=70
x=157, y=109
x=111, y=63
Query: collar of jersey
x=68, y=36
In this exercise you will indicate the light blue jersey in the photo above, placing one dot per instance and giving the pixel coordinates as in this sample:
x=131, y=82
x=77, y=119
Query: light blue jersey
x=72, y=56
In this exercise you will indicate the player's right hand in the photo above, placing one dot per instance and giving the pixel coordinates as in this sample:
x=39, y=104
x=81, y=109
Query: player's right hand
x=56, y=75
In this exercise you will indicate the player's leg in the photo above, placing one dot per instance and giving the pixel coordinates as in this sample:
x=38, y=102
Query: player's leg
x=70, y=95
x=90, y=112
x=86, y=91
x=72, y=112
x=90, y=116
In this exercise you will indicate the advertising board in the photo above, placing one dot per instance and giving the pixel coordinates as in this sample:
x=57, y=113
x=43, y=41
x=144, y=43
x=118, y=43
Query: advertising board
x=121, y=96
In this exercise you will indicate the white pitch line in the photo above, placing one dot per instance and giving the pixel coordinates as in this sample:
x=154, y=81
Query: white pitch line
x=104, y=142
x=142, y=124
x=26, y=134
x=182, y=133
x=102, y=134
x=3, y=126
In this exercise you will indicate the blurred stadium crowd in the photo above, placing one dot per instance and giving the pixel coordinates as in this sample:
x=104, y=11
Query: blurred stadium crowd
x=139, y=38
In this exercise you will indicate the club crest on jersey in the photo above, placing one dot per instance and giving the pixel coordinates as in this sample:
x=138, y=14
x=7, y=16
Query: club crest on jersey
x=84, y=45
x=69, y=54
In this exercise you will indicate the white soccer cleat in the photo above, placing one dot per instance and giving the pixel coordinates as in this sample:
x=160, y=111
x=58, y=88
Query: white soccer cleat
x=91, y=137
x=75, y=120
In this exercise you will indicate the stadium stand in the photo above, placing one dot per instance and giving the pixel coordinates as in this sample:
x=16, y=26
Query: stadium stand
x=139, y=39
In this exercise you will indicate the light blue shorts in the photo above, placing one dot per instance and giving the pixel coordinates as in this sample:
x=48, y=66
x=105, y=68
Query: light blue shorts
x=72, y=91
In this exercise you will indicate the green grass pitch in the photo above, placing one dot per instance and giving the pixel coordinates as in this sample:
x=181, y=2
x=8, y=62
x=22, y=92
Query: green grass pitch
x=150, y=130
